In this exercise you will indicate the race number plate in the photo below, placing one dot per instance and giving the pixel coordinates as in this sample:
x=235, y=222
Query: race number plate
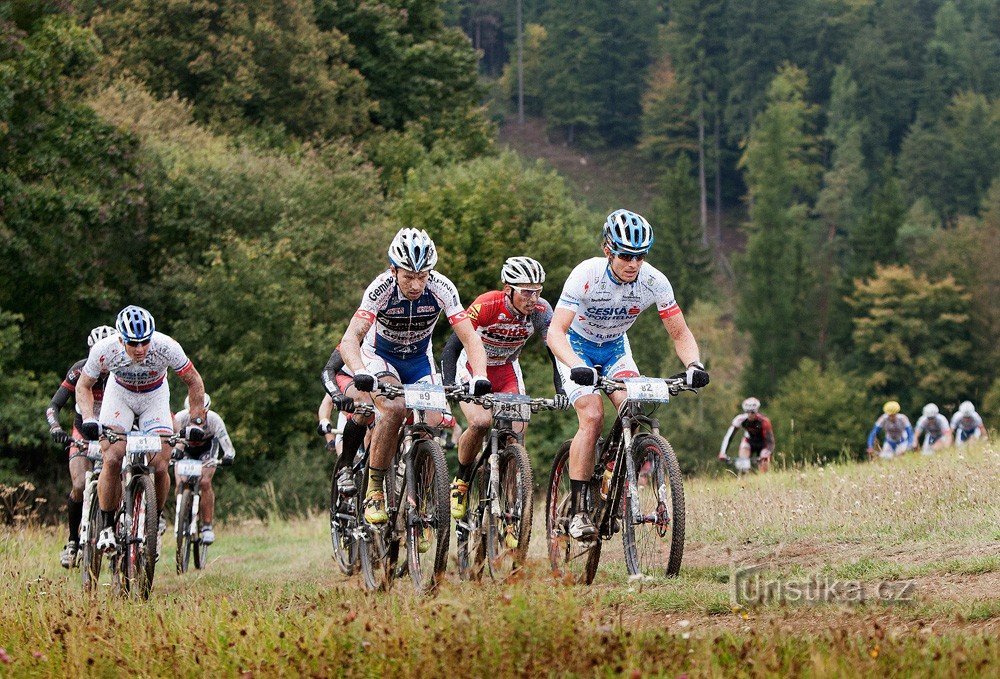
x=513, y=407
x=647, y=389
x=188, y=467
x=425, y=397
x=138, y=443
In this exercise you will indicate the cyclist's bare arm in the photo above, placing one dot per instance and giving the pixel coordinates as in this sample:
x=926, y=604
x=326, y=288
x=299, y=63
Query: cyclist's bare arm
x=85, y=396
x=725, y=441
x=474, y=349
x=557, y=339
x=325, y=409
x=196, y=392
x=350, y=346
x=684, y=342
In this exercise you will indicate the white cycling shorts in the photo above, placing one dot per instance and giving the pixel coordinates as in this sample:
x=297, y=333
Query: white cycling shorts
x=121, y=407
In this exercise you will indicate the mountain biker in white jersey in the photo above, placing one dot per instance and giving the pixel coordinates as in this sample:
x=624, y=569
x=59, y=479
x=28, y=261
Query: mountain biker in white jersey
x=898, y=432
x=216, y=437
x=935, y=428
x=389, y=339
x=600, y=301
x=138, y=358
x=967, y=424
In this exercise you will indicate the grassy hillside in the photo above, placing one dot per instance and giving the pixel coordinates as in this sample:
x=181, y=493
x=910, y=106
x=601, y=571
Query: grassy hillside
x=271, y=603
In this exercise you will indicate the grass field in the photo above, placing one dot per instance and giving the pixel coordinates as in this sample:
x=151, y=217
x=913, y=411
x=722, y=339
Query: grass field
x=271, y=602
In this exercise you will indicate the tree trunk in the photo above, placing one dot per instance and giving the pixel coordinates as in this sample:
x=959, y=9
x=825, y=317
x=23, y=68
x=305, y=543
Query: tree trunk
x=703, y=199
x=717, y=161
x=520, y=68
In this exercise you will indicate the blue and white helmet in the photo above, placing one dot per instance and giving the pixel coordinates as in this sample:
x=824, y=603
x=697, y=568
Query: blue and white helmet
x=627, y=233
x=413, y=250
x=135, y=324
x=99, y=333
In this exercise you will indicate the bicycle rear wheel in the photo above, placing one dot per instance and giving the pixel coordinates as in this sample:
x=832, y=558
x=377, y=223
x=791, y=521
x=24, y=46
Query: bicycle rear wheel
x=184, y=531
x=572, y=561
x=654, y=541
x=509, y=533
x=470, y=533
x=90, y=563
x=140, y=550
x=428, y=524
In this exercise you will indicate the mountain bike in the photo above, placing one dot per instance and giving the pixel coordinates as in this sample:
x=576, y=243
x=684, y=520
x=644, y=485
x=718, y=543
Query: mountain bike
x=345, y=510
x=187, y=520
x=636, y=486
x=416, y=496
x=133, y=562
x=497, y=525
x=90, y=522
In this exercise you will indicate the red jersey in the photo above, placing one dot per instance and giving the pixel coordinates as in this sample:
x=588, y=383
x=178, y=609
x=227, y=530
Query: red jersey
x=502, y=329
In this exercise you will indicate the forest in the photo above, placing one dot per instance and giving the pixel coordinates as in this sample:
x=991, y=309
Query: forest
x=827, y=179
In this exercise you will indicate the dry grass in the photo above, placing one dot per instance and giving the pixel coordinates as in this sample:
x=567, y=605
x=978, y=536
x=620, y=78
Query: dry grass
x=271, y=603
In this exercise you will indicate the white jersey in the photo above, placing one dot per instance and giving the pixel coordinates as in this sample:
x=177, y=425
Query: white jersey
x=936, y=426
x=606, y=309
x=966, y=422
x=214, y=428
x=109, y=355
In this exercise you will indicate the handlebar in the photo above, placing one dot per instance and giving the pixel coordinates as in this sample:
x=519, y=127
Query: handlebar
x=676, y=384
x=94, y=454
x=488, y=401
x=172, y=439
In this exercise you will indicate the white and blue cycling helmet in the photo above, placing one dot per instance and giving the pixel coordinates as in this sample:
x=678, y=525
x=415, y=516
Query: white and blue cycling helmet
x=135, y=324
x=99, y=333
x=627, y=233
x=413, y=250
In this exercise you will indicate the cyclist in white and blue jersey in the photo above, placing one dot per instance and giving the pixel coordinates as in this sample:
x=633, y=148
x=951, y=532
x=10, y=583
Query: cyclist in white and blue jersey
x=389, y=338
x=967, y=424
x=898, y=432
x=600, y=301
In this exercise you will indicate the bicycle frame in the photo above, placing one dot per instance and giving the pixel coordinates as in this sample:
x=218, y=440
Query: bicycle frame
x=626, y=425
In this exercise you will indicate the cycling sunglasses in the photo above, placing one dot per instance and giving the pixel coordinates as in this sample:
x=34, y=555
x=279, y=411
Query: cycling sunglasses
x=527, y=292
x=139, y=343
x=631, y=258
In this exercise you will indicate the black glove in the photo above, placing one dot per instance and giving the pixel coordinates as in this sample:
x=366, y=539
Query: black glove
x=194, y=433
x=695, y=376
x=176, y=454
x=91, y=430
x=480, y=386
x=344, y=404
x=583, y=375
x=59, y=436
x=324, y=427
x=364, y=381
x=561, y=401
x=331, y=446
x=227, y=460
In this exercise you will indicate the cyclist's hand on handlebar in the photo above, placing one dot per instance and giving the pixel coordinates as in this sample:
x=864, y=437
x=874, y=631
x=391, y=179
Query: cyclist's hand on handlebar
x=91, y=429
x=696, y=376
x=59, y=436
x=723, y=457
x=583, y=375
x=176, y=454
x=331, y=446
x=364, y=381
x=194, y=433
x=344, y=404
x=227, y=459
x=480, y=386
x=324, y=427
x=561, y=402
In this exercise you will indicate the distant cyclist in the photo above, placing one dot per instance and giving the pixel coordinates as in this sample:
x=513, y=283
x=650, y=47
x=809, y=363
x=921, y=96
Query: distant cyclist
x=898, y=432
x=505, y=319
x=967, y=424
x=935, y=428
x=389, y=338
x=758, y=439
x=216, y=435
x=138, y=357
x=78, y=462
x=600, y=301
x=352, y=427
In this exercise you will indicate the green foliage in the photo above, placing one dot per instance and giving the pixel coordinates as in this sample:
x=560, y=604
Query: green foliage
x=819, y=413
x=912, y=336
x=483, y=211
x=22, y=424
x=781, y=173
x=668, y=128
x=535, y=36
x=679, y=252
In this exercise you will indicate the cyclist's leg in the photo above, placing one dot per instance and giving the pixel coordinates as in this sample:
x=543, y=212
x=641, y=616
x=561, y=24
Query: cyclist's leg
x=206, y=506
x=743, y=460
x=153, y=410
x=116, y=415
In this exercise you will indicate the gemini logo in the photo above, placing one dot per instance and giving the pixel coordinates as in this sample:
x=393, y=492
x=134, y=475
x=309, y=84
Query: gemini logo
x=749, y=586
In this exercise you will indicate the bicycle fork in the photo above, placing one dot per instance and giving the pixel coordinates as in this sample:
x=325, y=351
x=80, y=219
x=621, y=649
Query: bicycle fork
x=89, y=495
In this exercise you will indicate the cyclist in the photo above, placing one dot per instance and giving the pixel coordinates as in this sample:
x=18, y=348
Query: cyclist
x=898, y=432
x=758, y=439
x=390, y=338
x=138, y=357
x=205, y=450
x=504, y=319
x=78, y=462
x=967, y=424
x=936, y=430
x=353, y=427
x=600, y=301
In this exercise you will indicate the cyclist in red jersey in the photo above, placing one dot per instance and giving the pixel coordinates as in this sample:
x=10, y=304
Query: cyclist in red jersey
x=505, y=319
x=758, y=439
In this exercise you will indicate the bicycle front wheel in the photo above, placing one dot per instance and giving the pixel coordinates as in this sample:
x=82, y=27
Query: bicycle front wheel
x=653, y=534
x=428, y=521
x=90, y=565
x=140, y=550
x=341, y=512
x=184, y=531
x=572, y=561
x=470, y=533
x=509, y=531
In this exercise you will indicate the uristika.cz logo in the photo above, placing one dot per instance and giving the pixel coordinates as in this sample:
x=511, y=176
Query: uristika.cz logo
x=750, y=586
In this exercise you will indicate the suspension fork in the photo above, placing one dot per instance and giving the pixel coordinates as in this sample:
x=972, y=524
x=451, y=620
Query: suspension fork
x=630, y=475
x=494, y=465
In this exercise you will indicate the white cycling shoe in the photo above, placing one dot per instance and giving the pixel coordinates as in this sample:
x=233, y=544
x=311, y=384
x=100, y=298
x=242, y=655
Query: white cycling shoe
x=68, y=557
x=582, y=528
x=207, y=535
x=106, y=541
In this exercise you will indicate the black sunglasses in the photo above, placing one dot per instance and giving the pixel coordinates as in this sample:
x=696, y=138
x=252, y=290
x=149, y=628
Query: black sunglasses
x=140, y=343
x=631, y=258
